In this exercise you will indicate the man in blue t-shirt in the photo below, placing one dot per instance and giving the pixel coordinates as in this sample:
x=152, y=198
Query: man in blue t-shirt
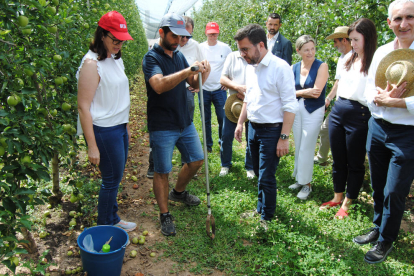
x=166, y=71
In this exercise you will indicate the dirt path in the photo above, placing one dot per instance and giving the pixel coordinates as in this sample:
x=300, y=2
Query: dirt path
x=138, y=205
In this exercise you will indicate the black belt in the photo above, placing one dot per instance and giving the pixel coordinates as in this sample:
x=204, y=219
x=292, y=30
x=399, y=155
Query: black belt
x=256, y=125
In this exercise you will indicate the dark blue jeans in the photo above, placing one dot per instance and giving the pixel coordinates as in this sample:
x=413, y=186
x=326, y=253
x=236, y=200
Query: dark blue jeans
x=218, y=98
x=262, y=146
x=348, y=128
x=391, y=161
x=112, y=143
x=226, y=150
x=190, y=103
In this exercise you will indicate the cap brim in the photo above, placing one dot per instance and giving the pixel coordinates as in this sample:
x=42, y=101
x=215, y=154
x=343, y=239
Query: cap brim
x=212, y=31
x=180, y=31
x=122, y=35
x=337, y=35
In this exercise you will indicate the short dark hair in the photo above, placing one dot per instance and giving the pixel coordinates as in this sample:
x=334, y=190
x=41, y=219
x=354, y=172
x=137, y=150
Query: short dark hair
x=367, y=28
x=274, y=15
x=97, y=45
x=254, y=32
x=188, y=20
x=166, y=29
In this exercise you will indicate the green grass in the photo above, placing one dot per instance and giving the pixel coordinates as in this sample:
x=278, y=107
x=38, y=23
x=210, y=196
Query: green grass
x=300, y=241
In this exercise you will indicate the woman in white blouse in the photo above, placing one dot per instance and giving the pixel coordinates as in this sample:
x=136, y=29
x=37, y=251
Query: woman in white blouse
x=311, y=76
x=103, y=105
x=348, y=123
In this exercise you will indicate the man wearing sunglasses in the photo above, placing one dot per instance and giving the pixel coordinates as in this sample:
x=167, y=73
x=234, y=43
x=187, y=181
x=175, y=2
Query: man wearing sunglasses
x=166, y=72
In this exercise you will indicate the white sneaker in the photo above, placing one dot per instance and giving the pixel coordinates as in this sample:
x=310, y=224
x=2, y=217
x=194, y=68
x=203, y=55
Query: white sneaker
x=295, y=186
x=127, y=226
x=304, y=192
x=250, y=174
x=224, y=171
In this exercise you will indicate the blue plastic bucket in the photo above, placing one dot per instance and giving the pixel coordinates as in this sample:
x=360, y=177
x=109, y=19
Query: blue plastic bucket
x=104, y=264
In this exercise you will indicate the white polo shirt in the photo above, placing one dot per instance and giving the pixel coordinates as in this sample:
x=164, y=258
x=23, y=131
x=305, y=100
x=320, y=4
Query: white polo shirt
x=235, y=69
x=270, y=90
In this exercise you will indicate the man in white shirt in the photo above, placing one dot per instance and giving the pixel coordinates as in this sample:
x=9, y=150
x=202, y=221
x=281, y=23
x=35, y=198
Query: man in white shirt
x=390, y=141
x=192, y=52
x=270, y=105
x=276, y=42
x=234, y=78
x=215, y=53
x=343, y=45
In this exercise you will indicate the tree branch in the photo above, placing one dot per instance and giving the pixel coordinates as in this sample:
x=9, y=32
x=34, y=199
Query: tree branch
x=8, y=43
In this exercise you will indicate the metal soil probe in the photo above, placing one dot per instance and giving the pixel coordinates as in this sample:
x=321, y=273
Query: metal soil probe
x=211, y=232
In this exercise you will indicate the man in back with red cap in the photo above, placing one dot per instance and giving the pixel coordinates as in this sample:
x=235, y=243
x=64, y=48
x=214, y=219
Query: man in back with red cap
x=215, y=52
x=166, y=72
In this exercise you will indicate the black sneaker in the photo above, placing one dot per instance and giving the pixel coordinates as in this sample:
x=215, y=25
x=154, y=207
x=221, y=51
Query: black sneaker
x=150, y=172
x=167, y=225
x=371, y=236
x=378, y=253
x=185, y=197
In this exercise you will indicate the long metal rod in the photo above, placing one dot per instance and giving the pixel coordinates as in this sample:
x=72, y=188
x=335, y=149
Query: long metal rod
x=200, y=83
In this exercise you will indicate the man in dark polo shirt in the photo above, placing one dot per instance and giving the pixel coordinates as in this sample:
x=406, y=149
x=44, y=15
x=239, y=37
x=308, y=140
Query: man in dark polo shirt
x=166, y=71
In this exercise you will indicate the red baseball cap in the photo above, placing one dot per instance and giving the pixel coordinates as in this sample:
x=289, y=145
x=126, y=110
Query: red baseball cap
x=212, y=28
x=114, y=22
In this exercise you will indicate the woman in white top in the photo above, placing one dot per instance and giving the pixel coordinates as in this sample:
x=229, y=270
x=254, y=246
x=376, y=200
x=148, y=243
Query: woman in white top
x=103, y=105
x=348, y=123
x=311, y=76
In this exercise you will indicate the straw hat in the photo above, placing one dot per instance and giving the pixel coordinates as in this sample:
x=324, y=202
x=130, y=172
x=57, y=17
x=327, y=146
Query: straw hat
x=396, y=68
x=233, y=108
x=340, y=32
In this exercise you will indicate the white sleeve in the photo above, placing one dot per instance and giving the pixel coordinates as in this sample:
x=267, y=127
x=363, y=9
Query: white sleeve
x=227, y=67
x=286, y=86
x=409, y=101
x=370, y=88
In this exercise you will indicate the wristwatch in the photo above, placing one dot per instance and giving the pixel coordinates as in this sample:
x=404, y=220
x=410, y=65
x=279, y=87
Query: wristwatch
x=284, y=136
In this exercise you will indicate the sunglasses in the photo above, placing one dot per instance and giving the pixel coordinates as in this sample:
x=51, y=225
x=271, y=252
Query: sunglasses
x=186, y=36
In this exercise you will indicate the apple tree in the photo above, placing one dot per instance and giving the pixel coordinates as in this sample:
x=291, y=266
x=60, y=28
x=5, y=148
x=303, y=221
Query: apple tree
x=42, y=43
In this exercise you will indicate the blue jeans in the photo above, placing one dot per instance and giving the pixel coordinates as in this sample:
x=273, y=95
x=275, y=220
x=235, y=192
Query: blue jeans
x=348, y=128
x=218, y=98
x=262, y=146
x=190, y=103
x=112, y=143
x=226, y=149
x=162, y=143
x=391, y=162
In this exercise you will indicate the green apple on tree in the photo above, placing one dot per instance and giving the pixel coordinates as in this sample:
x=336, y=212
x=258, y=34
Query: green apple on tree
x=22, y=21
x=66, y=107
x=57, y=57
x=12, y=100
x=52, y=29
x=28, y=72
x=51, y=10
x=27, y=31
x=59, y=81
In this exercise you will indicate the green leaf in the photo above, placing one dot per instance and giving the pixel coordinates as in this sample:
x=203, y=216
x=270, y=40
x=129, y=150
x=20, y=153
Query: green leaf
x=9, y=168
x=28, y=224
x=43, y=175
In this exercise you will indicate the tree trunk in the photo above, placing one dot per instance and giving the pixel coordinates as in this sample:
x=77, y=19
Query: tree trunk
x=57, y=194
x=31, y=247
